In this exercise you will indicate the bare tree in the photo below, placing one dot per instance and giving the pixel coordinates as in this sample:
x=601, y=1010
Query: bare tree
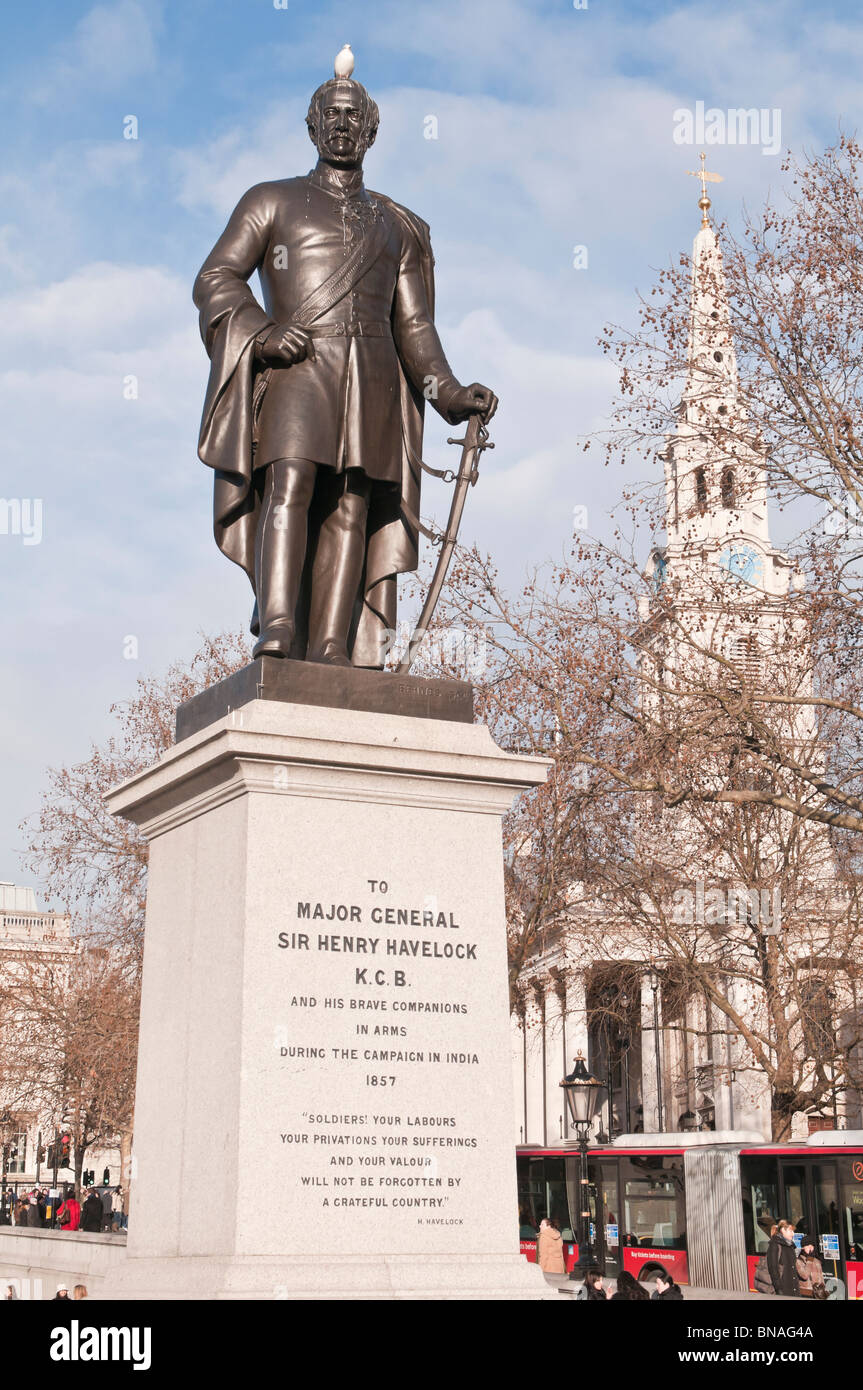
x=97, y=863
x=68, y=1043
x=69, y=1021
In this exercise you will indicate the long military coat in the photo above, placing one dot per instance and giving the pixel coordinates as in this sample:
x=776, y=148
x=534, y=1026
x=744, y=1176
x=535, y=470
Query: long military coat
x=359, y=402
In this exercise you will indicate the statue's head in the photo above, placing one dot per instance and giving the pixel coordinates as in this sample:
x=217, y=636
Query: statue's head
x=342, y=119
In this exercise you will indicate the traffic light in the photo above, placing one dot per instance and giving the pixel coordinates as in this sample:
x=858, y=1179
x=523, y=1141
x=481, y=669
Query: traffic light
x=40, y=1156
x=50, y=1160
x=106, y=1177
x=65, y=1151
x=88, y=1177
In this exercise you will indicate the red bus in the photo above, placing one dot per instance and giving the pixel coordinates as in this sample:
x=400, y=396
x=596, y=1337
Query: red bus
x=701, y=1205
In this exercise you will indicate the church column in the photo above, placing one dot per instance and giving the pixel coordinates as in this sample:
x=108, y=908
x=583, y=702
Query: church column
x=576, y=1015
x=651, y=1078
x=723, y=1091
x=555, y=1029
x=519, y=1073
x=574, y=1037
x=534, y=1067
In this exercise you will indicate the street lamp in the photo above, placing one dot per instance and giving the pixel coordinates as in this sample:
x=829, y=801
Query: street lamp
x=582, y=1093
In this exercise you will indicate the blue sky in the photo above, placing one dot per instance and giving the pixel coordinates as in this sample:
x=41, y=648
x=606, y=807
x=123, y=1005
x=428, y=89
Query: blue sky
x=555, y=129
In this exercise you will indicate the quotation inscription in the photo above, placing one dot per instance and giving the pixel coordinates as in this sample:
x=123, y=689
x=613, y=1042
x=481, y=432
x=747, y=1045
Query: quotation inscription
x=384, y=1029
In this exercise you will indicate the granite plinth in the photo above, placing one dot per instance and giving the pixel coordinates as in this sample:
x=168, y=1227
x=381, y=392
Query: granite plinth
x=325, y=1013
x=334, y=687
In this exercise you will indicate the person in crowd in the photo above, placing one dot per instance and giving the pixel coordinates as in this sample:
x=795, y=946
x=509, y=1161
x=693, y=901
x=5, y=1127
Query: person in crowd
x=22, y=1207
x=91, y=1213
x=62, y=1294
x=80, y=1291
x=11, y=1293
x=69, y=1213
x=119, y=1215
x=34, y=1216
x=629, y=1290
x=667, y=1289
x=42, y=1198
x=761, y=1278
x=782, y=1261
x=107, y=1201
x=549, y=1251
x=809, y=1271
x=594, y=1288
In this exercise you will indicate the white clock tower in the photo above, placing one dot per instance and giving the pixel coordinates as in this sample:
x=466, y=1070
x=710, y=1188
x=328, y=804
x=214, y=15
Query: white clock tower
x=718, y=562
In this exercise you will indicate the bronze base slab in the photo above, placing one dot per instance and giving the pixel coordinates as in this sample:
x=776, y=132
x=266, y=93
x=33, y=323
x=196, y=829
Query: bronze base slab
x=336, y=687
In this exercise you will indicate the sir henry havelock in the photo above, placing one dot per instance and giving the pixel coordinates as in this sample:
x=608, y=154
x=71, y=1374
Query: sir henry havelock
x=314, y=410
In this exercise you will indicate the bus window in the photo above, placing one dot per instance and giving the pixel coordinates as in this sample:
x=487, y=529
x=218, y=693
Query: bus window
x=851, y=1171
x=760, y=1201
x=654, y=1212
x=827, y=1218
x=542, y=1193
x=794, y=1195
x=610, y=1217
x=531, y=1197
x=556, y=1204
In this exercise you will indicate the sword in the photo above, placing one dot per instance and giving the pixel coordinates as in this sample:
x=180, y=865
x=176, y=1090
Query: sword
x=475, y=440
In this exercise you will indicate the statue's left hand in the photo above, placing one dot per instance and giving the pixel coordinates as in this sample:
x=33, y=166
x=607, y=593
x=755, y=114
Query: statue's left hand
x=472, y=400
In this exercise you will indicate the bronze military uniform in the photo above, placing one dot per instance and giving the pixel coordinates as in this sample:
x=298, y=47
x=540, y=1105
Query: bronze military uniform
x=317, y=452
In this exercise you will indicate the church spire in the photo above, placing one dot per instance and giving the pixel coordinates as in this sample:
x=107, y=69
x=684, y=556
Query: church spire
x=711, y=392
x=714, y=482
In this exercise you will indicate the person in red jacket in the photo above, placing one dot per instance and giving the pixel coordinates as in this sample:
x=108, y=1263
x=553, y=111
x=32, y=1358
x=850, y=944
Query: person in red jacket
x=69, y=1214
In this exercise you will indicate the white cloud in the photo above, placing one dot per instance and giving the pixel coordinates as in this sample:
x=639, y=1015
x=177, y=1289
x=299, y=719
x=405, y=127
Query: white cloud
x=110, y=45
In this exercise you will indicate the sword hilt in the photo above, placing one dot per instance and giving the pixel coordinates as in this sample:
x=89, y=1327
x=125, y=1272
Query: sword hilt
x=478, y=444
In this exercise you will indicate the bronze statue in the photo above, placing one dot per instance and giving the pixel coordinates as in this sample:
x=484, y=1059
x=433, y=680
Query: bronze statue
x=314, y=410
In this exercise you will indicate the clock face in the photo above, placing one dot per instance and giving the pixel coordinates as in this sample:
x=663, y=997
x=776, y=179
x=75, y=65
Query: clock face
x=742, y=562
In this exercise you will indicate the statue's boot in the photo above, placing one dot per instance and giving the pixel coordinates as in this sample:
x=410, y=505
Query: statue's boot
x=280, y=552
x=337, y=572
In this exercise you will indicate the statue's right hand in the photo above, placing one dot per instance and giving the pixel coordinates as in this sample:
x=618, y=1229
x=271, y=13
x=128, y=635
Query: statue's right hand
x=287, y=344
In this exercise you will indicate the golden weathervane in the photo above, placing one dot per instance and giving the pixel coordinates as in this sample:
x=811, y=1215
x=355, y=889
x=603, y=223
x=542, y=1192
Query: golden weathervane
x=706, y=178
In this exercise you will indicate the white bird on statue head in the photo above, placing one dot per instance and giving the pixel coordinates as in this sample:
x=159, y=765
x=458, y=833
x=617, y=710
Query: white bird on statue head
x=344, y=64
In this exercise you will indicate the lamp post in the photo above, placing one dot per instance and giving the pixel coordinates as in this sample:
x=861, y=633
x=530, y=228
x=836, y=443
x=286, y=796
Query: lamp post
x=582, y=1093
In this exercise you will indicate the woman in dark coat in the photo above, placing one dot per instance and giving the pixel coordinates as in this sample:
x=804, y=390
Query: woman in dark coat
x=666, y=1289
x=594, y=1289
x=782, y=1261
x=629, y=1290
x=91, y=1213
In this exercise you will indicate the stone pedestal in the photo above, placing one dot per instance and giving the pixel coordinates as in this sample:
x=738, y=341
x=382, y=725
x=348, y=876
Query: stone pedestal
x=324, y=1100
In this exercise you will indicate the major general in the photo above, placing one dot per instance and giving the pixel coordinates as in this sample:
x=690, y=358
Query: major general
x=314, y=411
